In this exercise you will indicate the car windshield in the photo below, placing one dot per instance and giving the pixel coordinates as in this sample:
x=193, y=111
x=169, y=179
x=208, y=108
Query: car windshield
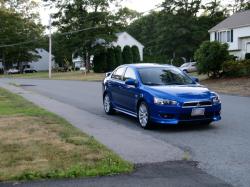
x=163, y=76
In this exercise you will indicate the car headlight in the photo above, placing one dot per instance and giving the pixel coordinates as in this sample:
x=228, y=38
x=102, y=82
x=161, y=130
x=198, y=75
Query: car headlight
x=159, y=101
x=216, y=100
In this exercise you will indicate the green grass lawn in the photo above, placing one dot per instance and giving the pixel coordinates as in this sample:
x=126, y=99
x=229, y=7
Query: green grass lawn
x=36, y=144
x=74, y=75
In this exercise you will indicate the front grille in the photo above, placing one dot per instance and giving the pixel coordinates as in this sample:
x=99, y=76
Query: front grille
x=197, y=104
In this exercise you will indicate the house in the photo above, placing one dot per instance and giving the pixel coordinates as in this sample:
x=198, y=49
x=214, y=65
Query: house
x=235, y=31
x=42, y=64
x=123, y=39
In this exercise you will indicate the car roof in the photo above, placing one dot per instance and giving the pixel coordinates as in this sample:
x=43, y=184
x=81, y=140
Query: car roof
x=147, y=65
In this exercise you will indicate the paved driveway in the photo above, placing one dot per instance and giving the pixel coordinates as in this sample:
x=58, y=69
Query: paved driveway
x=222, y=150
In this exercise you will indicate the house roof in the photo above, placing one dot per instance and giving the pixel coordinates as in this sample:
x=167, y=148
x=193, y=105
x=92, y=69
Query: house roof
x=121, y=33
x=239, y=19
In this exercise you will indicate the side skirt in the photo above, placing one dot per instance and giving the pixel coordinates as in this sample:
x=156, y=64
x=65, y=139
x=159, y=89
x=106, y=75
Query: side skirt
x=126, y=112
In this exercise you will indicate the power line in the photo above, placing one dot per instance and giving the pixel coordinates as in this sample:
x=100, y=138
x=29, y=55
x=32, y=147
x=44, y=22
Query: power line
x=71, y=32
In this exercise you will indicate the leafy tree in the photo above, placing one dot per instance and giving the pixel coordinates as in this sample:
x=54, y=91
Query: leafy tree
x=16, y=29
x=127, y=55
x=210, y=57
x=136, y=54
x=118, y=56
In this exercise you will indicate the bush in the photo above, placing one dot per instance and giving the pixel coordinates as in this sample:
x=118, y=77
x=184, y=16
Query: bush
x=136, y=54
x=111, y=61
x=247, y=56
x=236, y=68
x=210, y=57
x=118, y=56
x=127, y=55
x=100, y=61
x=178, y=61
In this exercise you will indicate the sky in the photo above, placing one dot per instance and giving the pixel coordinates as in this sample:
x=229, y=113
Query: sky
x=138, y=5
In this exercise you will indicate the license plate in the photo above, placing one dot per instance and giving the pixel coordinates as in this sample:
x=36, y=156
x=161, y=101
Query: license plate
x=198, y=112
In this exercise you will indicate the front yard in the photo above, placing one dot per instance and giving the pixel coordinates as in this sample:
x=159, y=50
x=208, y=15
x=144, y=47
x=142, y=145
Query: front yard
x=234, y=86
x=36, y=144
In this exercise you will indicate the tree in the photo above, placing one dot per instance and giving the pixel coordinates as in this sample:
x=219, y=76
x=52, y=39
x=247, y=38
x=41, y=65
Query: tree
x=136, y=54
x=118, y=56
x=127, y=55
x=210, y=57
x=100, y=60
x=111, y=61
x=16, y=29
x=76, y=15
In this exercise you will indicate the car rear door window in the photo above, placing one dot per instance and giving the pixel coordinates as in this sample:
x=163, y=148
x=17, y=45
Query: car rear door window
x=130, y=74
x=118, y=74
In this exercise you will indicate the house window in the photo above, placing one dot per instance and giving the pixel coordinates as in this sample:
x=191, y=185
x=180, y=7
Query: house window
x=225, y=36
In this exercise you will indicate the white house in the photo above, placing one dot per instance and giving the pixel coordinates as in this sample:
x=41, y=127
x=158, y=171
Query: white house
x=123, y=39
x=42, y=64
x=235, y=31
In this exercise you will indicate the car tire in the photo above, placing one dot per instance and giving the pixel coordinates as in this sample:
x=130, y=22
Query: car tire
x=143, y=116
x=108, y=108
x=186, y=71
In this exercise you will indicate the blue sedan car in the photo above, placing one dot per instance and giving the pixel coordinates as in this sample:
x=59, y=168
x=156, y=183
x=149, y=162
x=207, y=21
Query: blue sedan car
x=160, y=94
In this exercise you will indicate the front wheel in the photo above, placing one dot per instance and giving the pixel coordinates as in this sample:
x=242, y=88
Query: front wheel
x=107, y=105
x=143, y=116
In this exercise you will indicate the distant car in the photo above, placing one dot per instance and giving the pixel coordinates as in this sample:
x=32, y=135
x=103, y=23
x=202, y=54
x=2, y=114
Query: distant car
x=189, y=67
x=161, y=94
x=13, y=71
x=29, y=70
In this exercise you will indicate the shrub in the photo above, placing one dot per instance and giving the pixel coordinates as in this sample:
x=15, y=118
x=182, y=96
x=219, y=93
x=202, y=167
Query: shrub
x=177, y=61
x=118, y=56
x=100, y=61
x=210, y=57
x=111, y=61
x=236, y=68
x=136, y=54
x=247, y=56
x=127, y=55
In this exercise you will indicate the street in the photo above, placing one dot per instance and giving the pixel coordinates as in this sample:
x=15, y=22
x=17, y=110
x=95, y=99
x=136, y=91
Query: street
x=221, y=150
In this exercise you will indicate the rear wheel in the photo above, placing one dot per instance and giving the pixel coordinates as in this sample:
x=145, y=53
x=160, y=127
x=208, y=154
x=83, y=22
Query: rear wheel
x=107, y=105
x=143, y=116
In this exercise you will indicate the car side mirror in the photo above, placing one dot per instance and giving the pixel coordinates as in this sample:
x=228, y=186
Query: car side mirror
x=131, y=82
x=108, y=74
x=195, y=79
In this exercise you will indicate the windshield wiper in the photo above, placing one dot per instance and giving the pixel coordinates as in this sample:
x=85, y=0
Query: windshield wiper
x=153, y=84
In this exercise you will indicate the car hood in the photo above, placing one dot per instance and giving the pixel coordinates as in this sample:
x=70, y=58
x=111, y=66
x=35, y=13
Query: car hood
x=181, y=93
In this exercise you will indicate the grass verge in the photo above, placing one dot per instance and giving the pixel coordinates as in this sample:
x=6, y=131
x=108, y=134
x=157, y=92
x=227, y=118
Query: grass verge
x=74, y=75
x=36, y=144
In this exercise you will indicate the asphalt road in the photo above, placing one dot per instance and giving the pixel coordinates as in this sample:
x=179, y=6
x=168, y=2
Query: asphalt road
x=221, y=150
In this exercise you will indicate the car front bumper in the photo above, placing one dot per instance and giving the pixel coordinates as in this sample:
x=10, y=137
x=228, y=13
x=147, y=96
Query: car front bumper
x=177, y=115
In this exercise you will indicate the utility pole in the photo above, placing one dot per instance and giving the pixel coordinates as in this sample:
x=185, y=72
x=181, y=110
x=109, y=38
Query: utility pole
x=50, y=47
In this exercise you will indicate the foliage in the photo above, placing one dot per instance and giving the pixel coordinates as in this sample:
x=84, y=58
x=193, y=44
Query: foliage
x=111, y=60
x=118, y=56
x=234, y=68
x=177, y=61
x=135, y=54
x=100, y=60
x=15, y=29
x=247, y=56
x=127, y=55
x=210, y=57
x=178, y=29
